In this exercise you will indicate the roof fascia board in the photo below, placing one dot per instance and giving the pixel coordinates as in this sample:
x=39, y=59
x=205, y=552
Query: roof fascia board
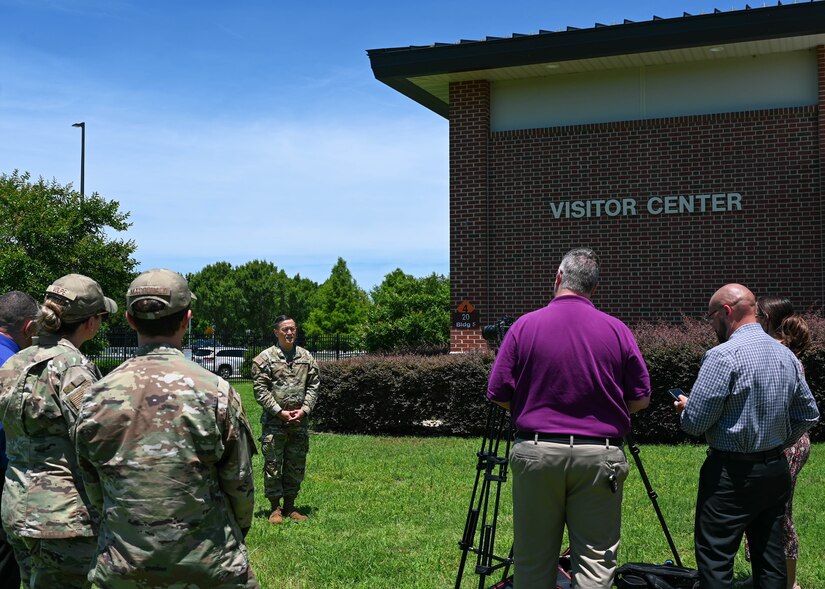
x=419, y=95
x=659, y=35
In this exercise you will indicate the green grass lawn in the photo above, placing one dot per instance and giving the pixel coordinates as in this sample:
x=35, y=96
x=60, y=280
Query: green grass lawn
x=389, y=512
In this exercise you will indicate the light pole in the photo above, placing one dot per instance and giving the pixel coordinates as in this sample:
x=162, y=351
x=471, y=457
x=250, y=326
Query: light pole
x=82, y=156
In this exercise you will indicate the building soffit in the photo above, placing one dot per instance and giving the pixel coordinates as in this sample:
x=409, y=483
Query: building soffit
x=424, y=73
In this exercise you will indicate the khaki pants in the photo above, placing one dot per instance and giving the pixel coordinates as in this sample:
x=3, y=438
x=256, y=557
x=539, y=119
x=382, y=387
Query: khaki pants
x=556, y=485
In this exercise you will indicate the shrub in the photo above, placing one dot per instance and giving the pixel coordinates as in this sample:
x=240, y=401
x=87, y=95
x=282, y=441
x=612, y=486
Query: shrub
x=405, y=395
x=814, y=361
x=673, y=354
x=445, y=395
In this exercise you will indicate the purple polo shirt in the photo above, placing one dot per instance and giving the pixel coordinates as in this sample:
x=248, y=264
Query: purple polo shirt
x=569, y=369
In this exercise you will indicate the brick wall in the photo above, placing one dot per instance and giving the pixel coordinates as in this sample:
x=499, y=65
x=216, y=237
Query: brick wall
x=506, y=243
x=469, y=158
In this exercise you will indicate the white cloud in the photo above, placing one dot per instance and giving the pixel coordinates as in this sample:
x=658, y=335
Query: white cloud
x=297, y=193
x=333, y=164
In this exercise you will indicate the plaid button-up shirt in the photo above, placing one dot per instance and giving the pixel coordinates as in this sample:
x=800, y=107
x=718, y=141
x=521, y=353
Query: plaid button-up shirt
x=750, y=395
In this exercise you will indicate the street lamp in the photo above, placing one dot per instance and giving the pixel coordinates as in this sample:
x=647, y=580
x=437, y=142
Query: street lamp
x=82, y=156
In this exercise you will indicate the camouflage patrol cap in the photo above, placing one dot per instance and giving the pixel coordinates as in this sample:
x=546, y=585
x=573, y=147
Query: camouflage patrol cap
x=82, y=297
x=164, y=286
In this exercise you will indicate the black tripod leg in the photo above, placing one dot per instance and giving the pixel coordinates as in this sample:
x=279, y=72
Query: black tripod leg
x=488, y=460
x=634, y=450
x=488, y=561
x=471, y=525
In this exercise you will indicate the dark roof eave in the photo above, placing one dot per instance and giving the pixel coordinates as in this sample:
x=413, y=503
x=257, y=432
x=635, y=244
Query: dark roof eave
x=658, y=35
x=419, y=95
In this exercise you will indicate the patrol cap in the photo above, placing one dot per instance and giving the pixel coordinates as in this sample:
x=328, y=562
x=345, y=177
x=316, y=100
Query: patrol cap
x=164, y=286
x=82, y=297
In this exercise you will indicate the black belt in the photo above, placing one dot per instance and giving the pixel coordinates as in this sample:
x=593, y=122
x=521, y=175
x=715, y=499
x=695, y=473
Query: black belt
x=766, y=456
x=574, y=439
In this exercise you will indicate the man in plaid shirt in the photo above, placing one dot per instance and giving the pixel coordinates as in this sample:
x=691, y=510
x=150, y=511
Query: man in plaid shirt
x=750, y=400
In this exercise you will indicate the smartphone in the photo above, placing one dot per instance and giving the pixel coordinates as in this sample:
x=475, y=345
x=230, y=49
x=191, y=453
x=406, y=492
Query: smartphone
x=676, y=392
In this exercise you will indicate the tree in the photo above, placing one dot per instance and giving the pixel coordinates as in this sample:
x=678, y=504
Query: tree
x=265, y=291
x=300, y=297
x=246, y=299
x=48, y=230
x=408, y=312
x=219, y=301
x=339, y=307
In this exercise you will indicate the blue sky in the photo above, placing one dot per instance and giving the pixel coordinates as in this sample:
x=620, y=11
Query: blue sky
x=245, y=130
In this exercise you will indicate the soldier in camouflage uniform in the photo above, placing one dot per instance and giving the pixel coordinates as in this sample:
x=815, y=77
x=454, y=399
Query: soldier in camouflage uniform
x=46, y=512
x=285, y=380
x=165, y=447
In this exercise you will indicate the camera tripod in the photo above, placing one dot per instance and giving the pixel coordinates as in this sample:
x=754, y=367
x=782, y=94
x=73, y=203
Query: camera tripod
x=491, y=472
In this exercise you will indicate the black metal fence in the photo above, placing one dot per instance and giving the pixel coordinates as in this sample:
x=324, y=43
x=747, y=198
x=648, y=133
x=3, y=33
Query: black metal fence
x=230, y=357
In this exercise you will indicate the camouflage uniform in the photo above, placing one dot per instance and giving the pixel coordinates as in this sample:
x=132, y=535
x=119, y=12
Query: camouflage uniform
x=279, y=384
x=46, y=512
x=165, y=446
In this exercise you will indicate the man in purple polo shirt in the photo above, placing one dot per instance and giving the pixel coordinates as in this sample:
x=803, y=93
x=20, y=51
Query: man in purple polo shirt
x=17, y=313
x=571, y=376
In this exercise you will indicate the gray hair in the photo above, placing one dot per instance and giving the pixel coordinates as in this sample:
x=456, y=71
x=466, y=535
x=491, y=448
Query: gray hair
x=16, y=308
x=579, y=270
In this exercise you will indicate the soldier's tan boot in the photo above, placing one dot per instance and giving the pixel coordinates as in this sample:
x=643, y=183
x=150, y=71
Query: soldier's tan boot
x=291, y=512
x=276, y=517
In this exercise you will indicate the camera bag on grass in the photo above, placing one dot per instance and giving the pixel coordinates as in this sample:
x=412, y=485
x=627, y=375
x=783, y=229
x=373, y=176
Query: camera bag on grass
x=637, y=575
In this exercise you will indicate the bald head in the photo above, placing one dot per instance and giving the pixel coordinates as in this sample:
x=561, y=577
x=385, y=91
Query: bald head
x=736, y=296
x=729, y=308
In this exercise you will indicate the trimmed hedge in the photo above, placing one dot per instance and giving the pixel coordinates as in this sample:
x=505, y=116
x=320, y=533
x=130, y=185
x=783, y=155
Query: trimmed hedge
x=445, y=395
x=814, y=361
x=673, y=354
x=404, y=395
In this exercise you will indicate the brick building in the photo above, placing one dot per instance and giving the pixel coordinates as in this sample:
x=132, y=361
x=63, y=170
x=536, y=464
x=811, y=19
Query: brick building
x=686, y=151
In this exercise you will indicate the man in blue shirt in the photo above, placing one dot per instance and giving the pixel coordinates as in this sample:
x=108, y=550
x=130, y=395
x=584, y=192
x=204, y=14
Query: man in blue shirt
x=17, y=313
x=750, y=400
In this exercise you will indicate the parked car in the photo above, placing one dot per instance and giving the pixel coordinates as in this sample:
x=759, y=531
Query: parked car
x=204, y=342
x=224, y=362
x=191, y=353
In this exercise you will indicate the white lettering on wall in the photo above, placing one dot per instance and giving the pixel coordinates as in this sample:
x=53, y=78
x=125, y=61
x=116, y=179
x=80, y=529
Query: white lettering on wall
x=719, y=202
x=578, y=209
